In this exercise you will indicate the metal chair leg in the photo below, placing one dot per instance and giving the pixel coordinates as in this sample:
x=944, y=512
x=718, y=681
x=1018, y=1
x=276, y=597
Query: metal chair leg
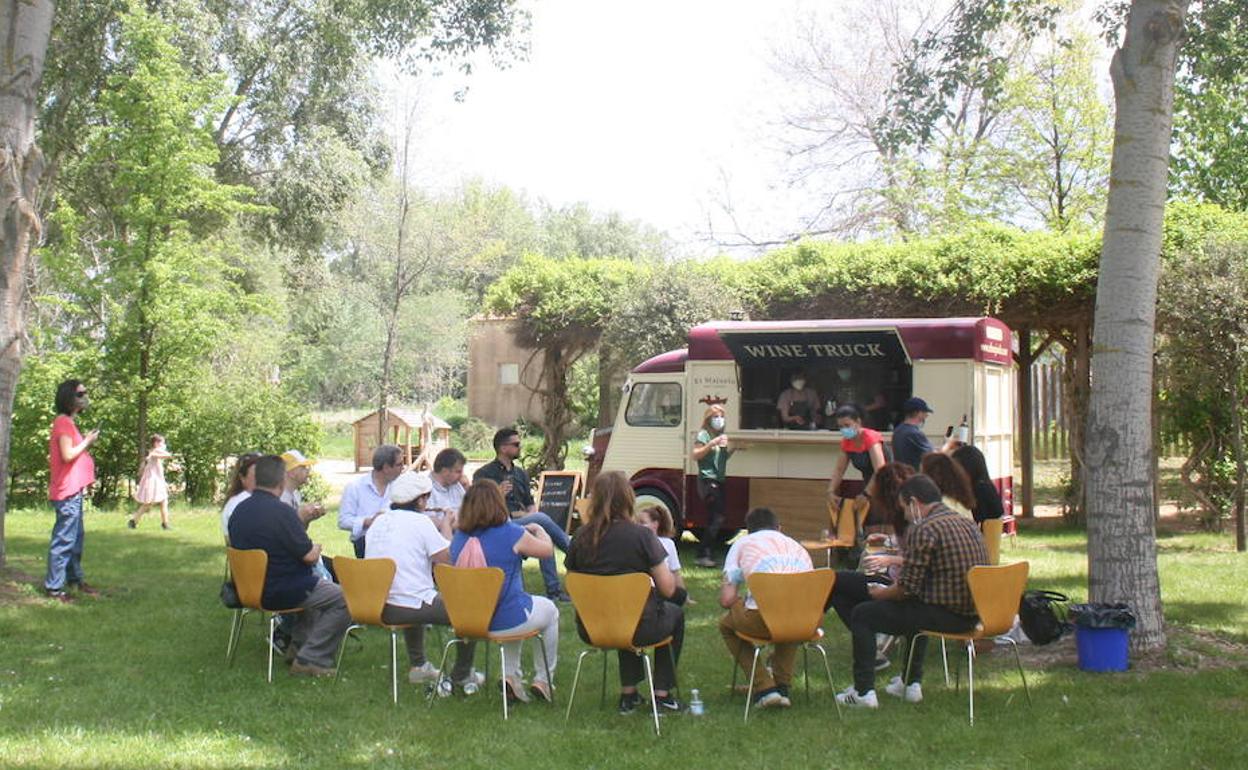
x=828, y=670
x=236, y=630
x=749, y=692
x=944, y=658
x=970, y=677
x=1018, y=662
x=577, y=678
x=905, y=679
x=394, y=667
x=806, y=671
x=654, y=703
x=437, y=684
x=550, y=682
x=272, y=627
x=342, y=648
x=502, y=663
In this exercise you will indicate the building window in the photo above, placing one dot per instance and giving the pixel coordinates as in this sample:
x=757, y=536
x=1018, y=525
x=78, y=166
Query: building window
x=654, y=405
x=509, y=374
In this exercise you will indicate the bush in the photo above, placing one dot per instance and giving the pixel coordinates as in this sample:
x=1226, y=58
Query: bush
x=473, y=436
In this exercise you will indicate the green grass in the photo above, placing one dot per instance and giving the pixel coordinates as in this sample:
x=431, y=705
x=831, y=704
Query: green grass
x=138, y=679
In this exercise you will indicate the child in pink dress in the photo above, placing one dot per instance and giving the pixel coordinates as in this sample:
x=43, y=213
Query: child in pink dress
x=152, y=489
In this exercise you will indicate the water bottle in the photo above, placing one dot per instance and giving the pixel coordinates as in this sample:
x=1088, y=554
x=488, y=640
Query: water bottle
x=695, y=704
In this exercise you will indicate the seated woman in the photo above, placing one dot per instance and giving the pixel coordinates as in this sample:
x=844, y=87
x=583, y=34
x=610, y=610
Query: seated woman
x=242, y=484
x=415, y=543
x=611, y=543
x=987, y=498
x=955, y=485
x=658, y=520
x=485, y=531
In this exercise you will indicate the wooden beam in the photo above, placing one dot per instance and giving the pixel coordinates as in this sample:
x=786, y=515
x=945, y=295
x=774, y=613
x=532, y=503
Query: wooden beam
x=1026, y=449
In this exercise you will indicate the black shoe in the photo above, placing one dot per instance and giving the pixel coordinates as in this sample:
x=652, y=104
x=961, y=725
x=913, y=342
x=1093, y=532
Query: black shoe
x=667, y=704
x=280, y=641
x=131, y=523
x=559, y=596
x=629, y=701
x=783, y=689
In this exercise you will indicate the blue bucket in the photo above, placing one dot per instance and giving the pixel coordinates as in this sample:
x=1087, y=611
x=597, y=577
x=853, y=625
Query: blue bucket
x=1102, y=649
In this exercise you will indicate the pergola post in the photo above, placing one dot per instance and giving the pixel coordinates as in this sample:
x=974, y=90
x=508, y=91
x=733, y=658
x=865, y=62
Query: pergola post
x=1026, y=450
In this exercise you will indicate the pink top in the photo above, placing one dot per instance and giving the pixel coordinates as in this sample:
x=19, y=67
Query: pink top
x=68, y=478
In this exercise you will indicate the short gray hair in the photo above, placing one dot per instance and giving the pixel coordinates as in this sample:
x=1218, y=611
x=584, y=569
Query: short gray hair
x=386, y=454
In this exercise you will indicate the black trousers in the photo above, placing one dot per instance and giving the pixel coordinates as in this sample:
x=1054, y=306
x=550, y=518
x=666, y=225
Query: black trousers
x=712, y=494
x=659, y=620
x=905, y=618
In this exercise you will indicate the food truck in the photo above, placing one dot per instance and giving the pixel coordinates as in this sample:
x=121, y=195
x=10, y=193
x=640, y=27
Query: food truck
x=962, y=367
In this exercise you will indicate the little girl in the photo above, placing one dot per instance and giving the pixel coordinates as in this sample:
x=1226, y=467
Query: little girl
x=658, y=520
x=152, y=489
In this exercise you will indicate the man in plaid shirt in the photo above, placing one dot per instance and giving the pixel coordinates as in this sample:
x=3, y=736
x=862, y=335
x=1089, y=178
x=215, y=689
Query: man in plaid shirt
x=931, y=593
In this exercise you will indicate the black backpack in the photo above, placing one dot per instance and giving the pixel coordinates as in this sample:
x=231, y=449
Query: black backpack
x=1042, y=614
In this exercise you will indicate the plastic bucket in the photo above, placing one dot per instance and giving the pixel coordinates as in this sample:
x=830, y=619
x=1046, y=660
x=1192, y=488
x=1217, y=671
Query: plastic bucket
x=1102, y=649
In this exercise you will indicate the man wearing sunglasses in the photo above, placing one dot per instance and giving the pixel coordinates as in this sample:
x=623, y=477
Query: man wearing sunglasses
x=507, y=473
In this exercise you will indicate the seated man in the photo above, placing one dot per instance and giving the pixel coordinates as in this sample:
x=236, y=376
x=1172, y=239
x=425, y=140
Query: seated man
x=511, y=478
x=764, y=550
x=298, y=470
x=448, y=483
x=366, y=498
x=265, y=522
x=930, y=594
x=415, y=543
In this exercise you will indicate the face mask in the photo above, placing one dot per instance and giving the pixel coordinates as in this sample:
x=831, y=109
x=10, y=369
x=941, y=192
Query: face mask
x=717, y=423
x=799, y=384
x=849, y=432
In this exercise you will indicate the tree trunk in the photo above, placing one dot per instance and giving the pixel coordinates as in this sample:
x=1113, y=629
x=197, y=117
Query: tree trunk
x=1078, y=371
x=25, y=26
x=555, y=413
x=1122, y=544
x=1237, y=423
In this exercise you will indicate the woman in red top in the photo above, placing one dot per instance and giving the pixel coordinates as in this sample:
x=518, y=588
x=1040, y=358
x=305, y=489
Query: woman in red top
x=861, y=446
x=73, y=470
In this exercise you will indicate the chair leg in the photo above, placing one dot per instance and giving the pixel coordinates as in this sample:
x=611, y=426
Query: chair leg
x=577, y=678
x=437, y=685
x=502, y=676
x=603, y=700
x=236, y=630
x=749, y=692
x=806, y=671
x=272, y=627
x=546, y=664
x=654, y=703
x=342, y=647
x=394, y=667
x=828, y=670
x=905, y=679
x=1018, y=662
x=970, y=677
x=944, y=658
x=671, y=655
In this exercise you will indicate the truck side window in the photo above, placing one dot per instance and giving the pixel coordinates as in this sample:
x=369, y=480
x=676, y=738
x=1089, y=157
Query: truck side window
x=654, y=405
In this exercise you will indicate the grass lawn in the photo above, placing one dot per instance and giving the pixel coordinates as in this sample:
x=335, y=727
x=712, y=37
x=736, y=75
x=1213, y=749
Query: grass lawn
x=138, y=679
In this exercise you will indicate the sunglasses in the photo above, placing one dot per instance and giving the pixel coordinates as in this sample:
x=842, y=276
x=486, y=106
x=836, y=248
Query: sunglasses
x=512, y=443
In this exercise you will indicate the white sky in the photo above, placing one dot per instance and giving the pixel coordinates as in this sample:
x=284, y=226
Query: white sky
x=652, y=108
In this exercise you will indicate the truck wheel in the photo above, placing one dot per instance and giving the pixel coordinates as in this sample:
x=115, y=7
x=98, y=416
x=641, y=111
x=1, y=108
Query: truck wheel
x=648, y=496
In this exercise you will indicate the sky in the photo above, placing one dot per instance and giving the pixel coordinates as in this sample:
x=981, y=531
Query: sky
x=661, y=111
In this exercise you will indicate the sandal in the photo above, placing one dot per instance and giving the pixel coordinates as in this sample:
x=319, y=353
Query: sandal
x=542, y=691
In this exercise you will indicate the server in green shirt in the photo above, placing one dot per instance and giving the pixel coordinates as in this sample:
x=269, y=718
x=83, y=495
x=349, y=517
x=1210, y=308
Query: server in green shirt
x=711, y=452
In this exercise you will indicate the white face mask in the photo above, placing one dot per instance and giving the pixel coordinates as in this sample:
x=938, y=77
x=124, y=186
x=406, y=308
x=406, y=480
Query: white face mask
x=717, y=423
x=798, y=384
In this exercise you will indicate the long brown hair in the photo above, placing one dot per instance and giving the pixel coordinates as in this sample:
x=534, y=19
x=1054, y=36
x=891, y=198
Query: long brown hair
x=949, y=476
x=240, y=470
x=611, y=500
x=884, y=486
x=484, y=506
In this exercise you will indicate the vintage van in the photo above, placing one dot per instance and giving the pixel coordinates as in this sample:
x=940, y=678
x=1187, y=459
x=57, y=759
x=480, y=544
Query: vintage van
x=962, y=367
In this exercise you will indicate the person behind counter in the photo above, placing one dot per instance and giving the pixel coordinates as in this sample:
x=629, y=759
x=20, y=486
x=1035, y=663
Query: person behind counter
x=798, y=404
x=861, y=446
x=711, y=453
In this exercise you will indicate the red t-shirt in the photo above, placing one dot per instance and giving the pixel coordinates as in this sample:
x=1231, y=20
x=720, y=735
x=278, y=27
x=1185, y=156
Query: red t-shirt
x=865, y=439
x=68, y=478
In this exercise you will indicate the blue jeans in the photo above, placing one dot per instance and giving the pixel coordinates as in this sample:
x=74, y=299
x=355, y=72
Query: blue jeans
x=550, y=572
x=65, y=548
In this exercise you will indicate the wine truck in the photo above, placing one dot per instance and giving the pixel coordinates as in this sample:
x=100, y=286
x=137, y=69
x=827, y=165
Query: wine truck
x=962, y=367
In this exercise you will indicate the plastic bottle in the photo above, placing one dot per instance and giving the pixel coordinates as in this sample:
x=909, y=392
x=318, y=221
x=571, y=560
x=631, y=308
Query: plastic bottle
x=695, y=704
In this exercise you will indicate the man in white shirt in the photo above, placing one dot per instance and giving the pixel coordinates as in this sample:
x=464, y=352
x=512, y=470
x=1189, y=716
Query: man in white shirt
x=764, y=550
x=448, y=483
x=415, y=543
x=365, y=499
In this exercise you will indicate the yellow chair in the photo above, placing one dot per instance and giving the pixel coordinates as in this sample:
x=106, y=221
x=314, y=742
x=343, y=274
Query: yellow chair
x=997, y=592
x=992, y=539
x=849, y=520
x=365, y=586
x=610, y=608
x=470, y=596
x=249, y=568
x=792, y=607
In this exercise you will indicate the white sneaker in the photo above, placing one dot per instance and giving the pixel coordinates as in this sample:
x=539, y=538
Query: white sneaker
x=855, y=699
x=422, y=674
x=912, y=693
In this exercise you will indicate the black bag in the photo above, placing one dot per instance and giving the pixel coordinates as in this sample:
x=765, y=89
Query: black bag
x=229, y=595
x=1042, y=614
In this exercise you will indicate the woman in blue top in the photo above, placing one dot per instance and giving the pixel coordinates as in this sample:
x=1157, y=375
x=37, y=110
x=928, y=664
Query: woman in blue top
x=484, y=523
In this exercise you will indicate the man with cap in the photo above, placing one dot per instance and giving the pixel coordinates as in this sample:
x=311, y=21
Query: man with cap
x=415, y=542
x=298, y=469
x=909, y=442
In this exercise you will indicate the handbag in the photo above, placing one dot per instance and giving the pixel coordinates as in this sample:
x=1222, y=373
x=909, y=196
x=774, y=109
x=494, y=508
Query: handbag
x=1042, y=614
x=229, y=596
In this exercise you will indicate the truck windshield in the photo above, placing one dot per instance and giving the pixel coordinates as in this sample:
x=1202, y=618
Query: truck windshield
x=653, y=405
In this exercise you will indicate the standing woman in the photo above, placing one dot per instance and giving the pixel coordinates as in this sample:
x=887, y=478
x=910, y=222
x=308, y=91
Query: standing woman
x=152, y=489
x=711, y=452
x=861, y=446
x=73, y=470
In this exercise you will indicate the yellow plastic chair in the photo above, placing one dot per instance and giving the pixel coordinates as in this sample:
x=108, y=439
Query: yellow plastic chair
x=610, y=608
x=848, y=520
x=249, y=568
x=992, y=538
x=792, y=607
x=365, y=586
x=997, y=592
x=470, y=596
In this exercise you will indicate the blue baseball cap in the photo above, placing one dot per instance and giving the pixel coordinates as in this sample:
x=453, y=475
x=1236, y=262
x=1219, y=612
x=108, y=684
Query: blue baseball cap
x=916, y=404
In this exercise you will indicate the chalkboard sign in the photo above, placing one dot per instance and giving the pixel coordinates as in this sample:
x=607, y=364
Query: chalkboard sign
x=556, y=494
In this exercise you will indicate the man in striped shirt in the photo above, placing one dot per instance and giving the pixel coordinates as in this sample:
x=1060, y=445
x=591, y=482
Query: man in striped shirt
x=930, y=594
x=764, y=550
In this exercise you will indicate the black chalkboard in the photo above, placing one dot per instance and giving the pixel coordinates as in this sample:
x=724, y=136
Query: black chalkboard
x=556, y=494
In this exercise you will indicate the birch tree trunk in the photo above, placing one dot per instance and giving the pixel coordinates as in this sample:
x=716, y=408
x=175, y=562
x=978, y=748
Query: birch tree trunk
x=1122, y=546
x=25, y=26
